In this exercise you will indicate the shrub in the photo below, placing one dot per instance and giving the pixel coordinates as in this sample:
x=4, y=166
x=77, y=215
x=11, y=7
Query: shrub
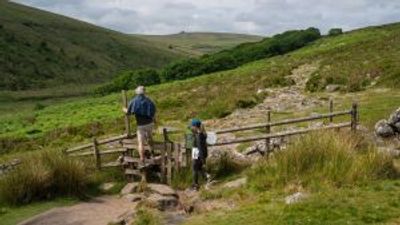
x=335, y=32
x=129, y=80
x=41, y=176
x=244, y=53
x=330, y=158
x=246, y=103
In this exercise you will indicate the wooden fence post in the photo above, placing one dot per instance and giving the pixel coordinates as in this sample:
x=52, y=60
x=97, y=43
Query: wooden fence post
x=163, y=151
x=127, y=119
x=97, y=155
x=354, y=117
x=268, y=131
x=177, y=152
x=331, y=110
x=169, y=163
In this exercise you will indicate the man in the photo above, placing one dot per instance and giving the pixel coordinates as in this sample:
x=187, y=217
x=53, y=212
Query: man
x=144, y=110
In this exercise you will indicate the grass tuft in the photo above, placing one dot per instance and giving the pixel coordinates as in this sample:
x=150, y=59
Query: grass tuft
x=328, y=158
x=43, y=175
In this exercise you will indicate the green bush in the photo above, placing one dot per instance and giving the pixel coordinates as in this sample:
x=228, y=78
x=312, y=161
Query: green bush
x=244, y=53
x=130, y=80
x=224, y=60
x=335, y=32
x=42, y=176
x=330, y=158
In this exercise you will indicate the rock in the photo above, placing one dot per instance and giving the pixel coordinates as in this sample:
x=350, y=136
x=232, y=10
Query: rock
x=236, y=183
x=15, y=162
x=129, y=188
x=383, y=129
x=107, y=186
x=332, y=88
x=397, y=127
x=162, y=202
x=162, y=189
x=295, y=198
x=125, y=218
x=394, y=117
x=133, y=197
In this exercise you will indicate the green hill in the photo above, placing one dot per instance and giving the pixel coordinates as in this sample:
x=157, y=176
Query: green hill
x=199, y=43
x=40, y=49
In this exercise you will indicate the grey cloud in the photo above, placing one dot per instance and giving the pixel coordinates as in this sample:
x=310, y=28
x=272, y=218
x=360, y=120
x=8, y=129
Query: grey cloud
x=264, y=17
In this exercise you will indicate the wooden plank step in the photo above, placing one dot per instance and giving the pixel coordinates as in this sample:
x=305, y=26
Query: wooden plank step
x=129, y=159
x=111, y=164
x=113, y=151
x=82, y=154
x=129, y=141
x=133, y=172
x=153, y=161
x=156, y=145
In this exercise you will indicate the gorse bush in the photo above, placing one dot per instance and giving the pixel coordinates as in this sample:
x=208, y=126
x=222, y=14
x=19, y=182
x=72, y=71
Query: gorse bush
x=42, y=176
x=224, y=60
x=332, y=158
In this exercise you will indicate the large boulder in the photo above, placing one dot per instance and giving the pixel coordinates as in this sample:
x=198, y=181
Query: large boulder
x=162, y=202
x=396, y=126
x=133, y=197
x=129, y=188
x=162, y=189
x=383, y=129
x=394, y=117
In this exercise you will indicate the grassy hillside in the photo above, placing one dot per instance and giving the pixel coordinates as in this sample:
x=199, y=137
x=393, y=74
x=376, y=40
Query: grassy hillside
x=218, y=94
x=40, y=49
x=199, y=43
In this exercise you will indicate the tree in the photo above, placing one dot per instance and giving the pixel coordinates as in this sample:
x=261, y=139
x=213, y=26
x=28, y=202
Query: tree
x=335, y=32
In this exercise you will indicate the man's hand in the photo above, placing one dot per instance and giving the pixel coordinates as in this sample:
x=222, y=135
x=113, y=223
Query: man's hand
x=125, y=110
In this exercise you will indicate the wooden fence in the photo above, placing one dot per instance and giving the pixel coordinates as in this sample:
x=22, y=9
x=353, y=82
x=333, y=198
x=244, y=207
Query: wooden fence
x=171, y=156
x=353, y=113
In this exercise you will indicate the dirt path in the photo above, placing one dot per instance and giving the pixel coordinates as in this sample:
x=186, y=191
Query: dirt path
x=99, y=211
x=282, y=99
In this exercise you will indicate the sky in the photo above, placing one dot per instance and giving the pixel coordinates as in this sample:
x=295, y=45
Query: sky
x=262, y=17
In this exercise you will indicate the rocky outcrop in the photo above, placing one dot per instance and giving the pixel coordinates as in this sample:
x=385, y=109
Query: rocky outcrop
x=159, y=196
x=383, y=129
x=389, y=128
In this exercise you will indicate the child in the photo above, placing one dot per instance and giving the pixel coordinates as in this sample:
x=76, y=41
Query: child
x=199, y=151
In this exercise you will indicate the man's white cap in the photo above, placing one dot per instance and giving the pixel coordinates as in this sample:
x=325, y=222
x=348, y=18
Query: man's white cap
x=140, y=90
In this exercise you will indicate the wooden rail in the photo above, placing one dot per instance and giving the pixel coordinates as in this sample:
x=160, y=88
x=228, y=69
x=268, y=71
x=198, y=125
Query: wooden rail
x=100, y=142
x=283, y=134
x=267, y=126
x=284, y=122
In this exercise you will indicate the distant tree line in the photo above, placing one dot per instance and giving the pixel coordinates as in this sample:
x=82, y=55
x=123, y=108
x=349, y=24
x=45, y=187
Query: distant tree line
x=224, y=60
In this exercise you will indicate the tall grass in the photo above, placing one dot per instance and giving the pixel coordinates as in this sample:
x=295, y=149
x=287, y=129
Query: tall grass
x=327, y=158
x=146, y=216
x=43, y=175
